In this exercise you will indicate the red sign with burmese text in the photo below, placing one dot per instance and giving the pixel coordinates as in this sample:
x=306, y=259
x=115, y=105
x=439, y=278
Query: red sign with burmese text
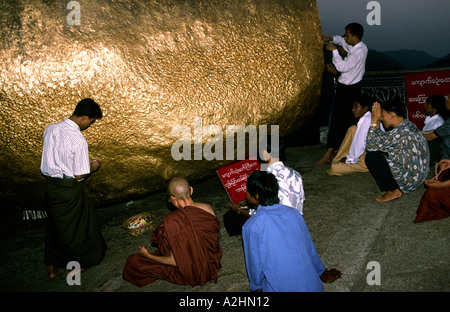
x=234, y=178
x=419, y=86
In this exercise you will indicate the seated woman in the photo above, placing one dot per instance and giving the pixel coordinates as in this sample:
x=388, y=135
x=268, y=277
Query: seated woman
x=435, y=202
x=397, y=159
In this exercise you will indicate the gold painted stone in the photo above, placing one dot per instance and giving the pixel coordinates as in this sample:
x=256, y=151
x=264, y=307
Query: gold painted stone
x=151, y=65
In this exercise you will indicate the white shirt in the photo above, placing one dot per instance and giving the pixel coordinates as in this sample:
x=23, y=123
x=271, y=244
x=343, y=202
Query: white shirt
x=65, y=151
x=353, y=67
x=290, y=182
x=359, y=140
x=433, y=122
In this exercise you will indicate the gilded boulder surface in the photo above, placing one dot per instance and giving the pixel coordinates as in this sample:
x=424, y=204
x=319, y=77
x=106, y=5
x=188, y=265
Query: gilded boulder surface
x=151, y=66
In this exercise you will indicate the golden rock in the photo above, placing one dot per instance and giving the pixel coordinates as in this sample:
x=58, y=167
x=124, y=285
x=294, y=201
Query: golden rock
x=151, y=65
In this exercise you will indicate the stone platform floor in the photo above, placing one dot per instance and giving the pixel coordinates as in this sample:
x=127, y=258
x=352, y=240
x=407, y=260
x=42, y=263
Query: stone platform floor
x=349, y=228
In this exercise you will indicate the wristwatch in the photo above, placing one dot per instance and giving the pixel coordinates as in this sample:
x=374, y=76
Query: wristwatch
x=373, y=125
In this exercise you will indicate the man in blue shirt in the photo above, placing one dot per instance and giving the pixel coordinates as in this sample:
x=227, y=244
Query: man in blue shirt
x=279, y=253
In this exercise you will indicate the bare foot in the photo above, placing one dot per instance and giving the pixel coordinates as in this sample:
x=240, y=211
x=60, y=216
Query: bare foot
x=51, y=269
x=389, y=195
x=329, y=276
x=327, y=157
x=323, y=161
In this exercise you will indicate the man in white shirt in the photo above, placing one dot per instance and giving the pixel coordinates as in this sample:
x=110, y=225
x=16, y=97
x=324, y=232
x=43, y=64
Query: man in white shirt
x=433, y=122
x=351, y=155
x=73, y=232
x=435, y=109
x=351, y=69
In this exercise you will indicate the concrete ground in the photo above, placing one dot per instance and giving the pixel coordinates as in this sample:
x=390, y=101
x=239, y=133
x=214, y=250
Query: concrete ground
x=349, y=228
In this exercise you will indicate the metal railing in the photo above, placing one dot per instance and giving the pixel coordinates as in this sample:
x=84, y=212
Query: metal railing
x=385, y=85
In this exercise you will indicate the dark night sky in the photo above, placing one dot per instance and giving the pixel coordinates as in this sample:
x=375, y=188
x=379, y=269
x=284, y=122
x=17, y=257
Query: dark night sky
x=405, y=24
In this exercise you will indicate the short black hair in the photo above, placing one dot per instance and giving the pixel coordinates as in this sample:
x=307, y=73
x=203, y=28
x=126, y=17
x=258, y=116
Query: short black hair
x=394, y=105
x=437, y=102
x=355, y=29
x=265, y=185
x=88, y=107
x=365, y=101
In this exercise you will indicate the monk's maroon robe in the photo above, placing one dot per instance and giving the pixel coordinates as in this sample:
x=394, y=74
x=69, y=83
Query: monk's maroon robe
x=435, y=203
x=192, y=235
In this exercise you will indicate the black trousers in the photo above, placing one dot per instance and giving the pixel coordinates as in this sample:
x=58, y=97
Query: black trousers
x=73, y=232
x=435, y=151
x=234, y=222
x=341, y=116
x=379, y=168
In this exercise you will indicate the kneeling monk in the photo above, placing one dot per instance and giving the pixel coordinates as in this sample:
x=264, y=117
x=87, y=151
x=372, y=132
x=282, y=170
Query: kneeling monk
x=188, y=244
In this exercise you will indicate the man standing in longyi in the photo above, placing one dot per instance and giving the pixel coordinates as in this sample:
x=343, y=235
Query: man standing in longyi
x=188, y=244
x=73, y=232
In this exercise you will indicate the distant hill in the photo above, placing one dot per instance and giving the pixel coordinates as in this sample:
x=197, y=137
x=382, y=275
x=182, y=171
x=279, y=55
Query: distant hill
x=442, y=62
x=403, y=59
x=378, y=61
x=411, y=58
x=399, y=60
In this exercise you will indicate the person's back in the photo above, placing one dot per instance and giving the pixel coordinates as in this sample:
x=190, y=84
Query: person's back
x=290, y=181
x=192, y=234
x=290, y=261
x=279, y=252
x=443, y=132
x=291, y=191
x=65, y=151
x=188, y=251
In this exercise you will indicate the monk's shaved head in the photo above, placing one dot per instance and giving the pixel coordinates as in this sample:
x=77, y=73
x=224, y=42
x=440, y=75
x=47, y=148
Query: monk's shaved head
x=179, y=187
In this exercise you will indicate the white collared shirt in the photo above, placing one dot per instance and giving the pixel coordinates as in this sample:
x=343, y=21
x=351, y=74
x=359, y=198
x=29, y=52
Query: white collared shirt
x=433, y=122
x=353, y=67
x=65, y=151
x=359, y=140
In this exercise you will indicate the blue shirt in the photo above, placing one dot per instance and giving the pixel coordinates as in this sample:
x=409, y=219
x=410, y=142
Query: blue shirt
x=279, y=253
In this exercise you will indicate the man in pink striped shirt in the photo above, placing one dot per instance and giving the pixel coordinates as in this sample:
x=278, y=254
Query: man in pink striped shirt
x=73, y=232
